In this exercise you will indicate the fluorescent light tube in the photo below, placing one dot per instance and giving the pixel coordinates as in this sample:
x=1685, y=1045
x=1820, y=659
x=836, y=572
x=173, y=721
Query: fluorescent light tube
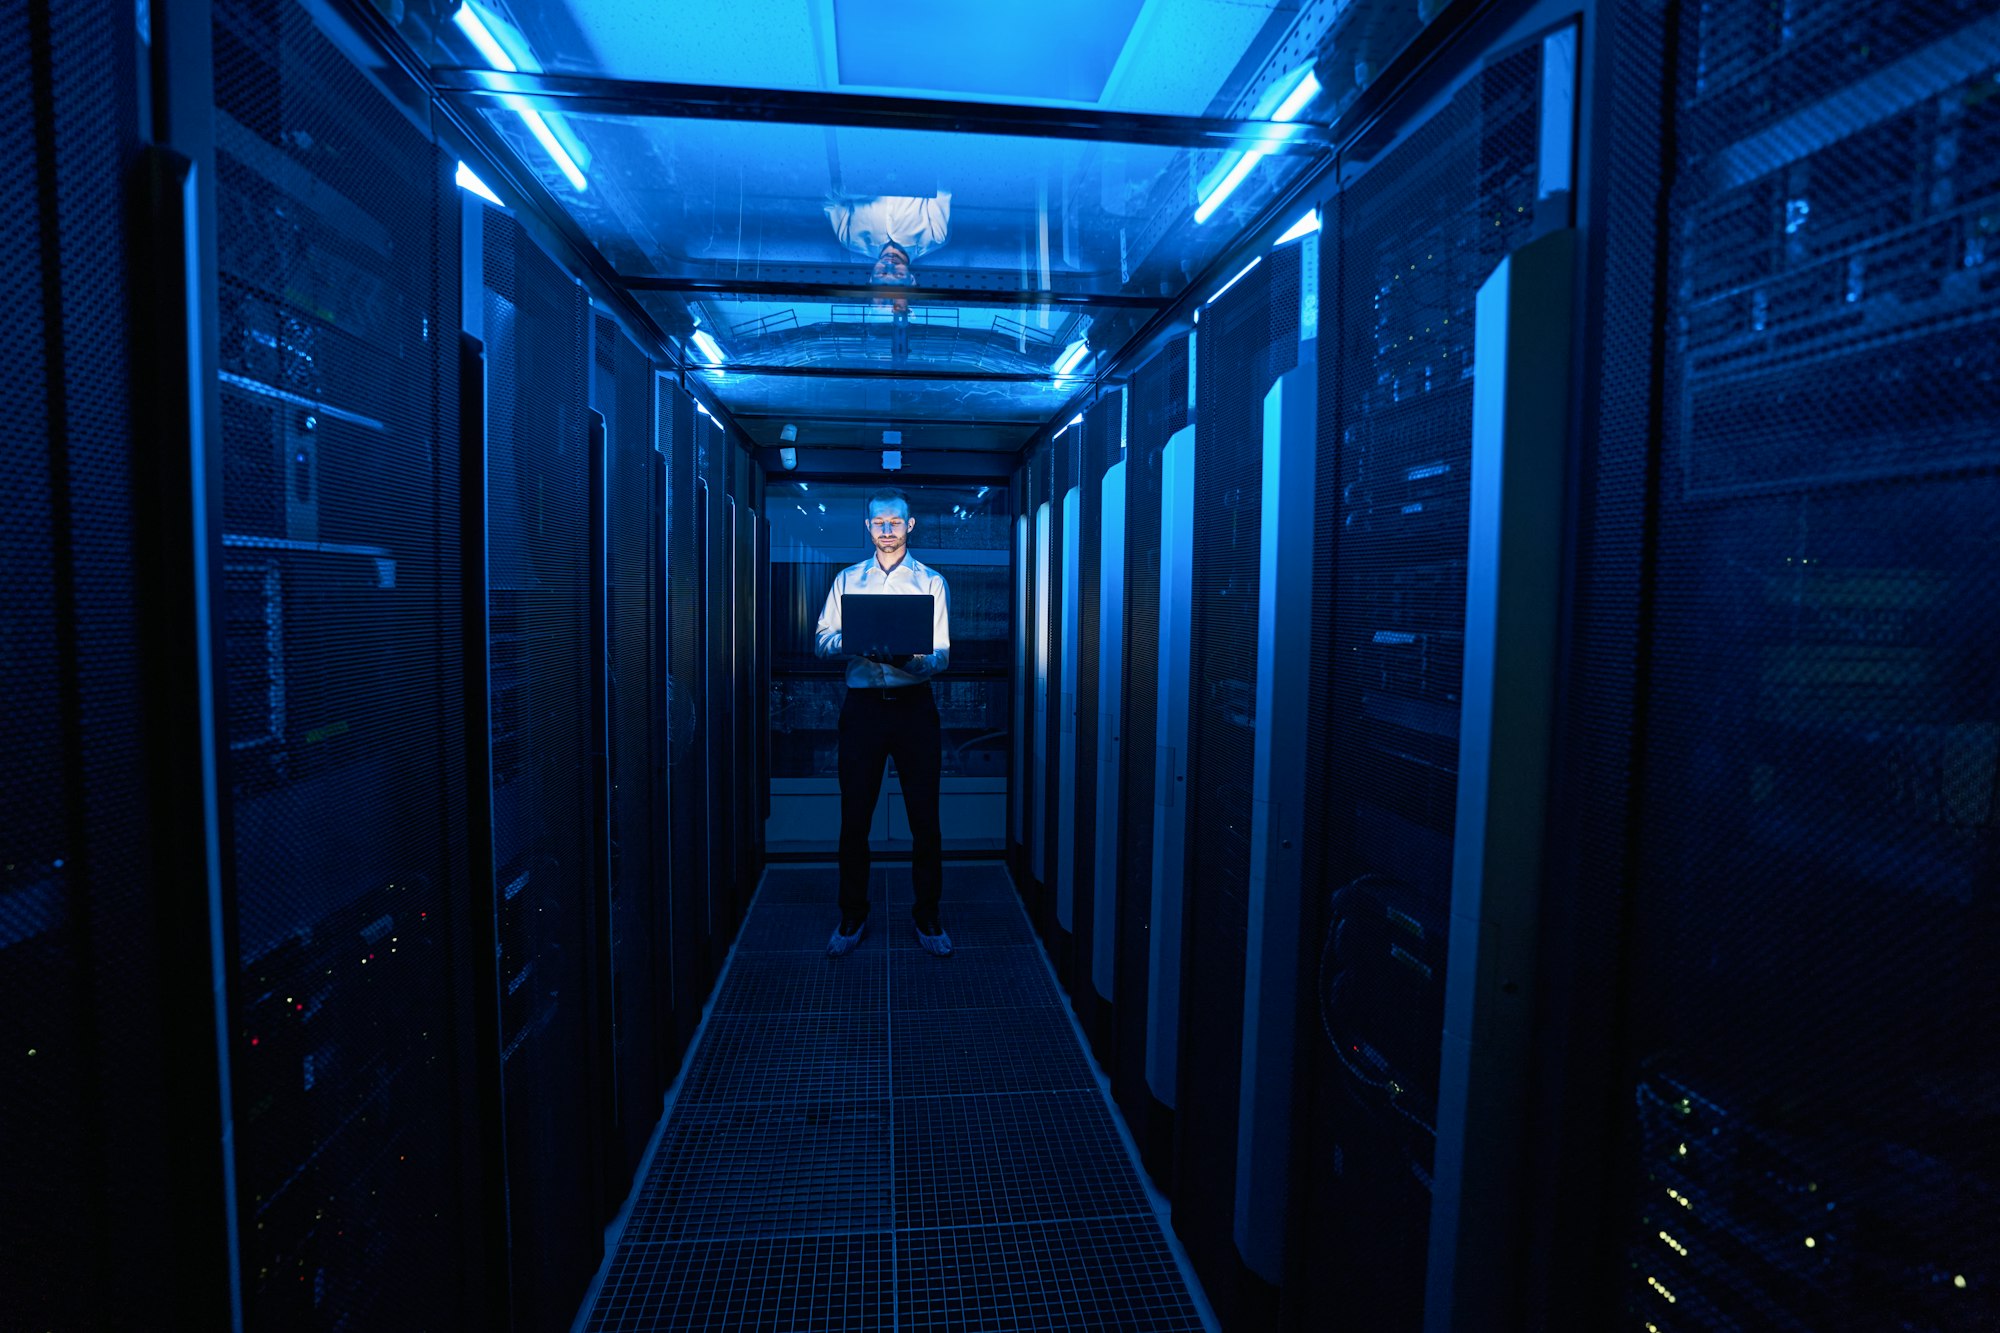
x=474, y=27
x=468, y=181
x=1233, y=281
x=709, y=347
x=1072, y=354
x=1297, y=100
x=1305, y=226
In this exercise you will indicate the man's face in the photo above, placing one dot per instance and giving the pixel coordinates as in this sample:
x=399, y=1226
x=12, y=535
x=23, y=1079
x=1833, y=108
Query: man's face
x=892, y=268
x=889, y=528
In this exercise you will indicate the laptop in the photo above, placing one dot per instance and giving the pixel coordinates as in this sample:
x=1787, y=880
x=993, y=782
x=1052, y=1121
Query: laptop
x=886, y=624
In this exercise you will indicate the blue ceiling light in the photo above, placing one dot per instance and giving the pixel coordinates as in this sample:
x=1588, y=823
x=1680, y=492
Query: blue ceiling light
x=982, y=492
x=1299, y=96
x=1240, y=274
x=1072, y=354
x=481, y=30
x=709, y=347
x=468, y=181
x=1305, y=226
x=822, y=509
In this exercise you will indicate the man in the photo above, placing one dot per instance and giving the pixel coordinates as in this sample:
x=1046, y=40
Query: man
x=889, y=712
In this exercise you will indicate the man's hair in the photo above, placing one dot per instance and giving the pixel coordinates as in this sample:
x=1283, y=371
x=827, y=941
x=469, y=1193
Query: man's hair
x=884, y=497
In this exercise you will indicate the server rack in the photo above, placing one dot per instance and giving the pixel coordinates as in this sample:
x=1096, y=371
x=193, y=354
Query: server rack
x=1248, y=338
x=687, y=777
x=535, y=326
x=1108, y=839
x=115, y=1110
x=350, y=1035
x=637, y=796
x=1096, y=450
x=1817, y=845
x=1452, y=197
x=1157, y=401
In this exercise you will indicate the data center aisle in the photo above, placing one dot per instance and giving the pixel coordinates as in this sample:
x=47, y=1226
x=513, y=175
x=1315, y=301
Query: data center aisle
x=892, y=1140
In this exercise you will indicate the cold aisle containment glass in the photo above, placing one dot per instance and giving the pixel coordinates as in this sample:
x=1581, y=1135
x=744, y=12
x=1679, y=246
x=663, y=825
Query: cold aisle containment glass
x=1474, y=666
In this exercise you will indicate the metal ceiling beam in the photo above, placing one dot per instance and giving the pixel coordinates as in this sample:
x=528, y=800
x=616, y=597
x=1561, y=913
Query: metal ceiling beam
x=861, y=292
x=689, y=101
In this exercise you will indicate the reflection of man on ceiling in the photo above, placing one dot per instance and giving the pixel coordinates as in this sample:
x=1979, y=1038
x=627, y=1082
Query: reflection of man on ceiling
x=893, y=230
x=914, y=226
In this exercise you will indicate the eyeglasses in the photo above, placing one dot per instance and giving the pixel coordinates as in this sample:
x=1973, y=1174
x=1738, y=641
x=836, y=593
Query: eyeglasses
x=888, y=527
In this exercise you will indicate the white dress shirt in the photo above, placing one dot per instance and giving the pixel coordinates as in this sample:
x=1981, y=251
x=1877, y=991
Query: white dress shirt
x=918, y=225
x=909, y=576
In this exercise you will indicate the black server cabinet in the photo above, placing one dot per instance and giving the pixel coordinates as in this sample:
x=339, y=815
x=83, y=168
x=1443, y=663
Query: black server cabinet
x=107, y=1019
x=1098, y=449
x=1245, y=341
x=637, y=795
x=743, y=706
x=1808, y=1114
x=345, y=770
x=1159, y=408
x=716, y=737
x=687, y=785
x=543, y=759
x=1414, y=233
x=1058, y=475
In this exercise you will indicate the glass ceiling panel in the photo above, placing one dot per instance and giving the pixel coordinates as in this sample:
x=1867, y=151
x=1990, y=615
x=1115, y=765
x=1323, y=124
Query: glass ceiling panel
x=739, y=201
x=887, y=334
x=1172, y=57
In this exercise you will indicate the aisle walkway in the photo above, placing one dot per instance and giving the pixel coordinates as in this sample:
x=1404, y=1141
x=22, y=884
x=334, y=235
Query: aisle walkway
x=891, y=1141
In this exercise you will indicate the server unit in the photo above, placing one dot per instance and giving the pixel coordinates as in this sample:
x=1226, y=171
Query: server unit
x=1418, y=229
x=636, y=799
x=1807, y=1104
x=350, y=1033
x=1247, y=339
x=687, y=779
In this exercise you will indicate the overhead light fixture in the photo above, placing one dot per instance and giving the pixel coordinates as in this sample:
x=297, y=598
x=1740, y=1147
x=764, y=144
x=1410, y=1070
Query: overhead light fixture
x=710, y=348
x=1072, y=354
x=1240, y=274
x=481, y=34
x=1305, y=226
x=822, y=509
x=982, y=492
x=1295, y=101
x=468, y=181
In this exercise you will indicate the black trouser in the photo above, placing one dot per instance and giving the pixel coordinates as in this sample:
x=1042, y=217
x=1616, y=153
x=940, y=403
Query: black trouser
x=876, y=725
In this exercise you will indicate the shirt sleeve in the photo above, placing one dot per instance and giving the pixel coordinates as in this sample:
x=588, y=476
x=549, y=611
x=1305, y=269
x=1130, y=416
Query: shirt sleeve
x=940, y=655
x=827, y=642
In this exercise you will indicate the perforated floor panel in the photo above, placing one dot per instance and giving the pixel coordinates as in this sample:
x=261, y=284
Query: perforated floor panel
x=891, y=1140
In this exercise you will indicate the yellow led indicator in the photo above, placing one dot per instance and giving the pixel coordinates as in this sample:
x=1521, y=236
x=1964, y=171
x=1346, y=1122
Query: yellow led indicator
x=1652, y=1328
x=1959, y=1282
x=1811, y=1244
x=1660, y=1287
x=1674, y=1245
x=1682, y=1150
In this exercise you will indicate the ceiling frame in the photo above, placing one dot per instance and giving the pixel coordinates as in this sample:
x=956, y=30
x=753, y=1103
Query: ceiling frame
x=590, y=95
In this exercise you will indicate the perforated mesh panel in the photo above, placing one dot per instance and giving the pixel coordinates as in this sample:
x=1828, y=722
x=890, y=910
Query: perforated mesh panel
x=686, y=787
x=345, y=760
x=1248, y=339
x=1158, y=401
x=1813, y=1007
x=79, y=1146
x=638, y=938
x=1418, y=233
x=1097, y=450
x=537, y=488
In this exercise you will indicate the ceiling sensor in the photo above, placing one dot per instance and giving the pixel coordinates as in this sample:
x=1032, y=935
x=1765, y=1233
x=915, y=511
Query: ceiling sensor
x=789, y=433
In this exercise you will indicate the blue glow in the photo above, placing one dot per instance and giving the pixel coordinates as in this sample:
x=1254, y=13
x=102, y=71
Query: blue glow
x=468, y=181
x=474, y=26
x=1240, y=275
x=1305, y=226
x=1072, y=354
x=1295, y=101
x=711, y=349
